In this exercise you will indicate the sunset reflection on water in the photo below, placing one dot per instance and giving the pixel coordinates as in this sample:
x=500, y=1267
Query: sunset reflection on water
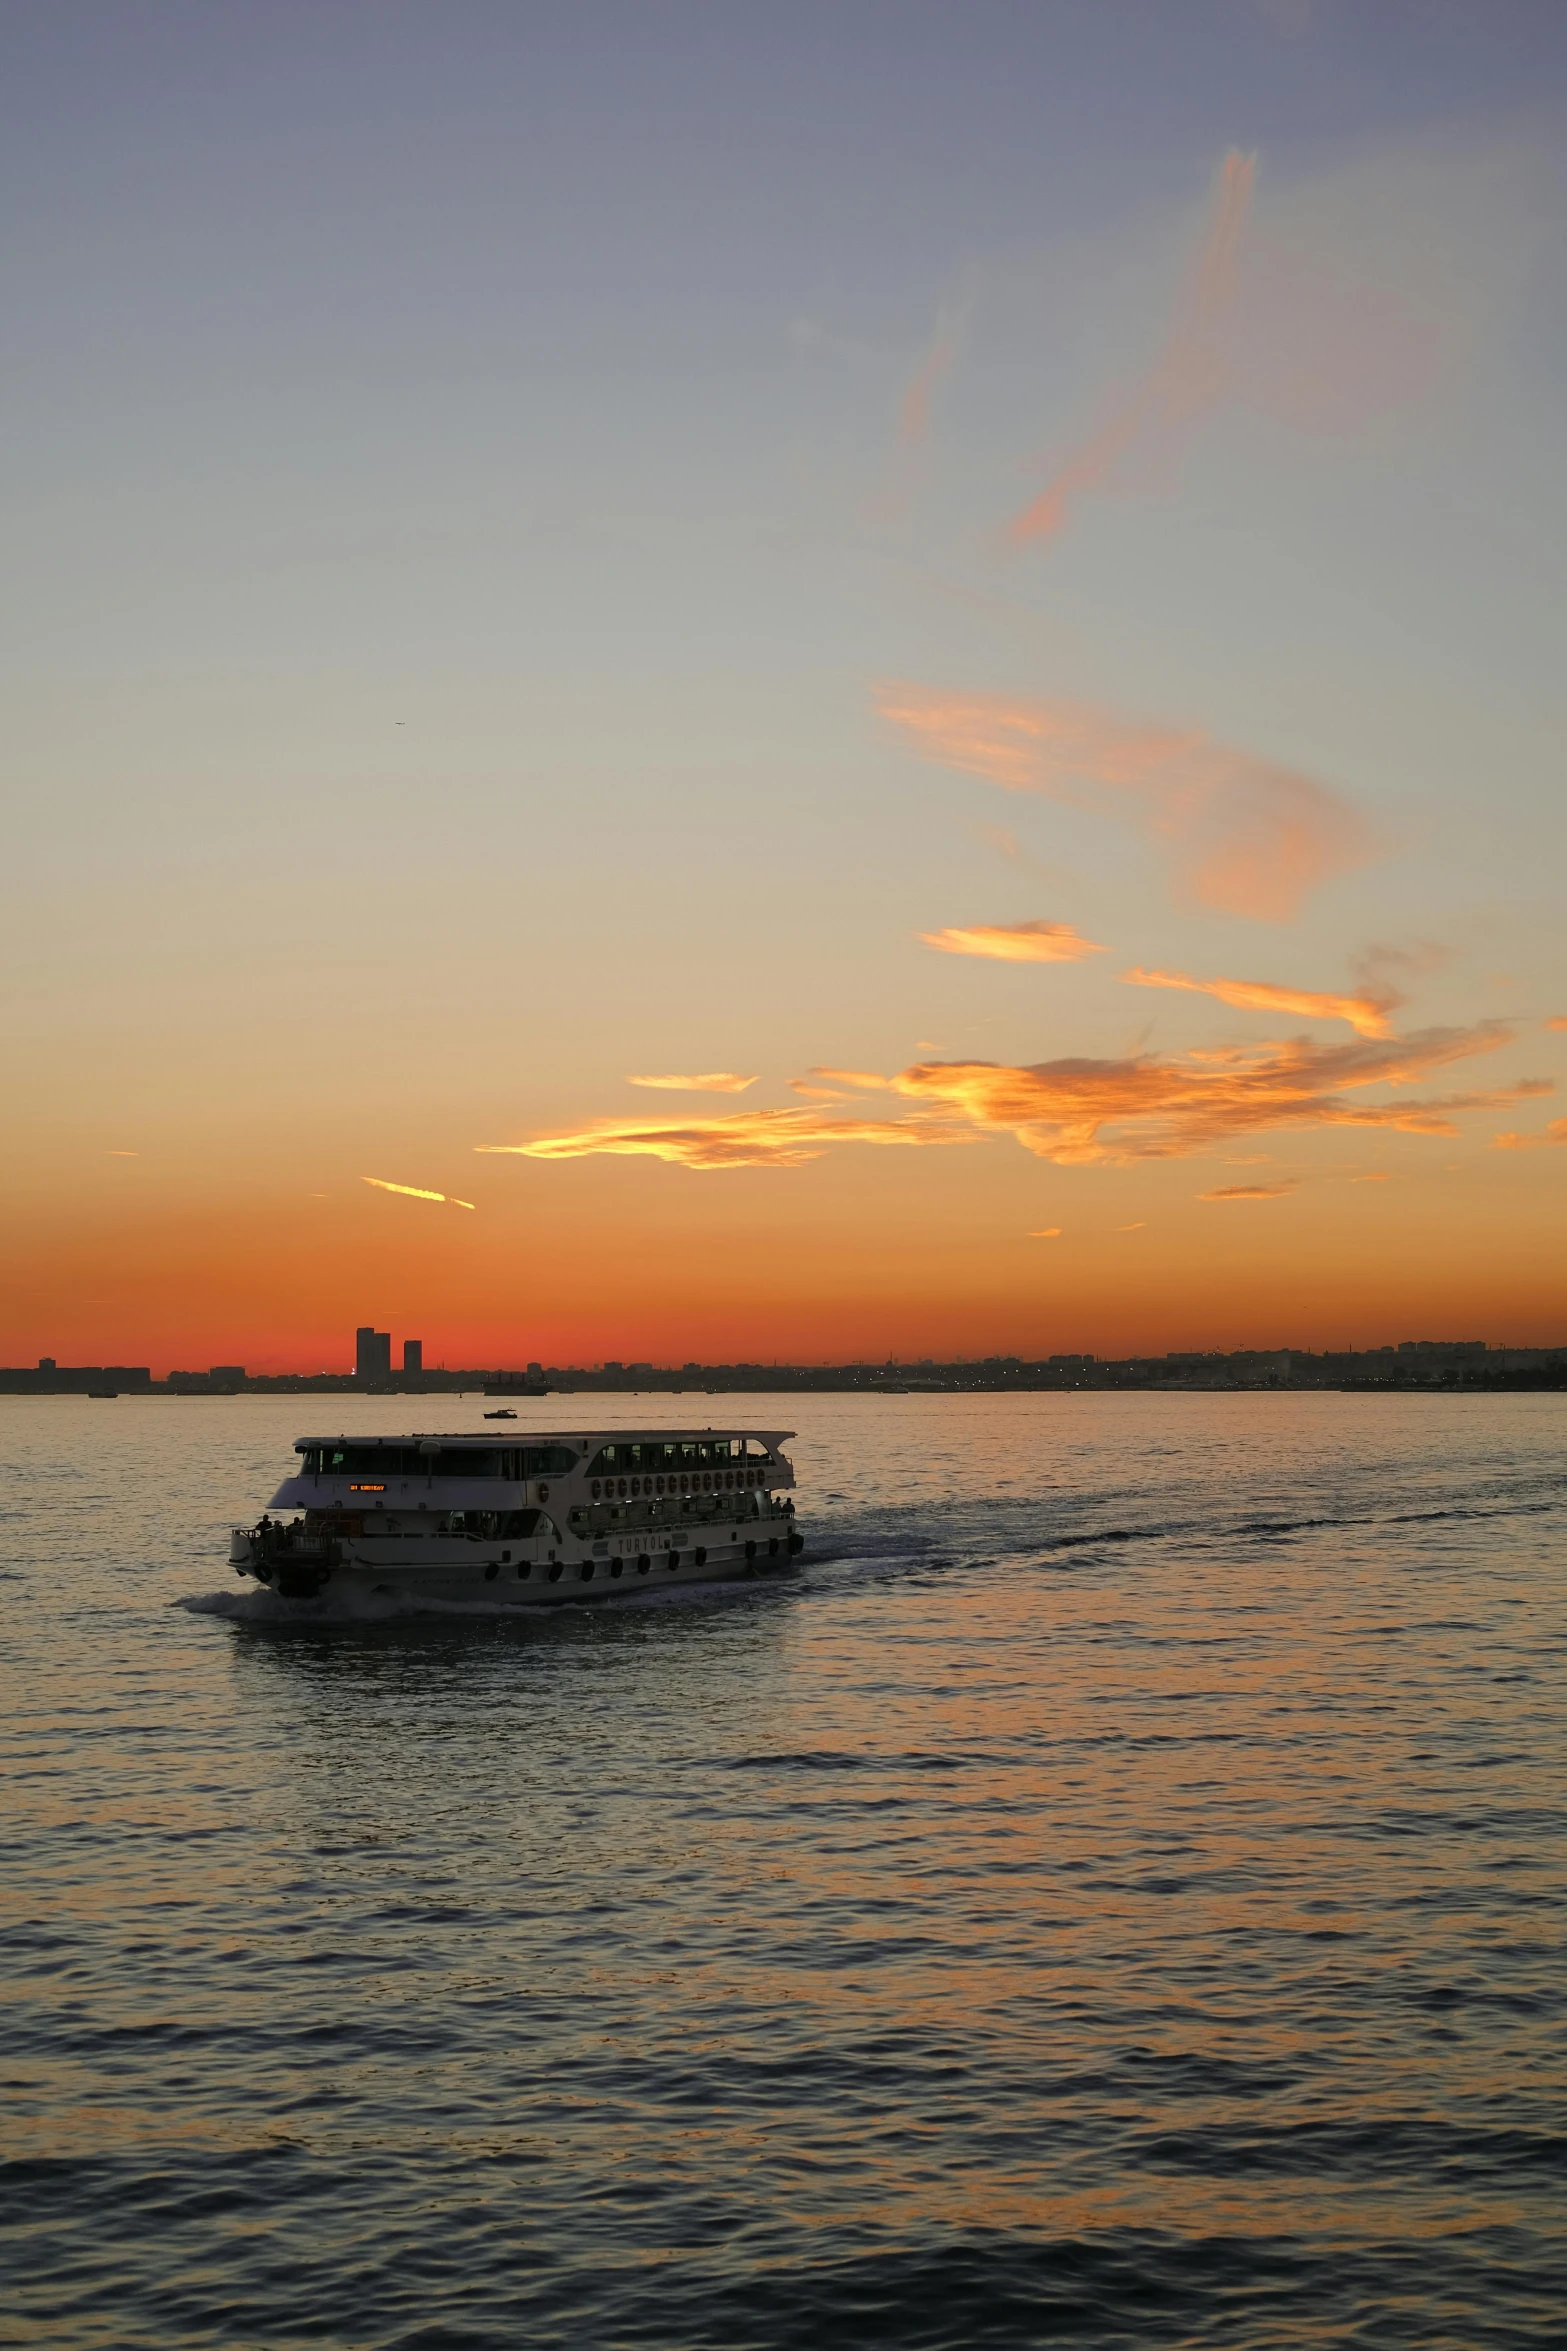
x=1117, y=1878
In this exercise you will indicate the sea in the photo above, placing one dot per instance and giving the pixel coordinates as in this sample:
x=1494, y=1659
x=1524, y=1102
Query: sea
x=1112, y=1890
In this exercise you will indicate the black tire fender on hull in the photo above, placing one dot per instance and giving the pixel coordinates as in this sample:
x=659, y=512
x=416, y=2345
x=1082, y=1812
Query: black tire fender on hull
x=301, y=1583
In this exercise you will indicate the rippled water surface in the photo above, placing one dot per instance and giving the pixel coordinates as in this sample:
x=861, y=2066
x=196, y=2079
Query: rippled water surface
x=1111, y=1892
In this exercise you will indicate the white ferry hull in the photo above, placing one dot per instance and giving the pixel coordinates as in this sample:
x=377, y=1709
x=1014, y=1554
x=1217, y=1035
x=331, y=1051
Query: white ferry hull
x=492, y=1574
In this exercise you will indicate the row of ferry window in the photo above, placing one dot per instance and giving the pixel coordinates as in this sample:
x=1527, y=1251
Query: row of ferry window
x=692, y=1481
x=515, y=1462
x=622, y=1458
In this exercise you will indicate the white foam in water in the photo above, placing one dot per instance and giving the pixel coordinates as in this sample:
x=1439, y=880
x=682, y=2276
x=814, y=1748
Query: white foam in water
x=263, y=1607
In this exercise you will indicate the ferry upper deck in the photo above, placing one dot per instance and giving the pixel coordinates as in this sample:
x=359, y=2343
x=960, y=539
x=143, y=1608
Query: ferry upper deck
x=415, y=1471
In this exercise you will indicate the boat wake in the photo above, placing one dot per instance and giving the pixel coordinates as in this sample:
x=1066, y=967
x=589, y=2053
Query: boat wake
x=1034, y=1534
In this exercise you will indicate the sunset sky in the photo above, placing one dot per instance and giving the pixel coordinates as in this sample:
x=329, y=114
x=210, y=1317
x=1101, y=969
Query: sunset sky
x=694, y=681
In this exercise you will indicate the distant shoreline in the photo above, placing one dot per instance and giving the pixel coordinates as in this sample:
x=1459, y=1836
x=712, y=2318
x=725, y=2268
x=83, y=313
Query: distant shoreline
x=1546, y=1379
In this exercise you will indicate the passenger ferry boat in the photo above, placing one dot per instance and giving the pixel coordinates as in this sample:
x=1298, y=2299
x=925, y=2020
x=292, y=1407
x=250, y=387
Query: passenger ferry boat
x=531, y=1520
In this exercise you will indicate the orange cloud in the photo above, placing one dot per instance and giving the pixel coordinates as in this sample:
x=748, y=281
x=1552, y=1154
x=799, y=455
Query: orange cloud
x=1084, y=1111
x=1365, y=1012
x=1016, y=942
x=415, y=1192
x=1556, y=1132
x=715, y=1081
x=864, y=1078
x=1248, y=1192
x=1141, y=1107
x=1246, y=835
x=1189, y=376
x=747, y=1138
x=1557, y=1021
x=1051, y=1232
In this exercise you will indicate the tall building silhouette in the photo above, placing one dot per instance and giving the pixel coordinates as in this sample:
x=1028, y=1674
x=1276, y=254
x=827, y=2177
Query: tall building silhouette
x=372, y=1354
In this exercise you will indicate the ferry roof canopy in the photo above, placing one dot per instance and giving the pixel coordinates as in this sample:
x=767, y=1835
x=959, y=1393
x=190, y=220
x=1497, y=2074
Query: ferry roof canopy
x=518, y=1435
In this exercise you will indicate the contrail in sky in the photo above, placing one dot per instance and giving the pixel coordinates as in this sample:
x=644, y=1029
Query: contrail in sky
x=1187, y=377
x=417, y=1192
x=914, y=416
x=915, y=406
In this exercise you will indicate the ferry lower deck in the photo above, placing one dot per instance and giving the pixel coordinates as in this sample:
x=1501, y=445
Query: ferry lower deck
x=538, y=1520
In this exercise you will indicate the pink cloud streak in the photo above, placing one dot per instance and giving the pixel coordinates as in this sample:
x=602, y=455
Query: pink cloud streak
x=1245, y=833
x=1189, y=376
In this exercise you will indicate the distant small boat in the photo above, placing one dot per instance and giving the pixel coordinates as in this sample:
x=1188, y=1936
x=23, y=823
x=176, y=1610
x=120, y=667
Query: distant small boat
x=504, y=1414
x=103, y=1394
